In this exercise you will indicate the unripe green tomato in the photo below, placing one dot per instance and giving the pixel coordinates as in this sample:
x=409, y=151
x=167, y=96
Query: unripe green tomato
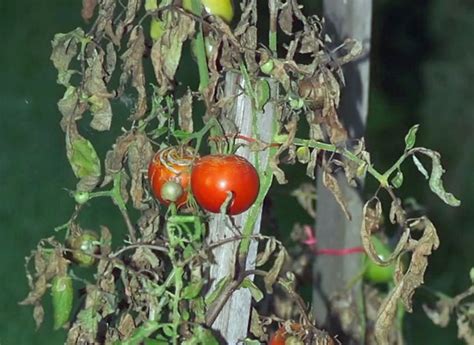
x=221, y=8
x=62, y=295
x=81, y=197
x=83, y=245
x=171, y=191
x=374, y=272
x=267, y=67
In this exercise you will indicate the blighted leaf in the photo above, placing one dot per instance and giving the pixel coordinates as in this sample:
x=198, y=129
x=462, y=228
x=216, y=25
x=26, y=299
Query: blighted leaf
x=313, y=160
x=397, y=180
x=38, y=314
x=64, y=49
x=83, y=157
x=256, y=293
x=420, y=167
x=256, y=325
x=62, y=295
x=185, y=112
x=166, y=52
x=272, y=275
x=114, y=157
x=200, y=336
x=410, y=138
x=88, y=7
x=331, y=183
x=440, y=314
x=263, y=257
x=126, y=326
x=397, y=213
x=132, y=67
x=285, y=19
x=140, y=153
x=96, y=89
x=435, y=182
x=411, y=280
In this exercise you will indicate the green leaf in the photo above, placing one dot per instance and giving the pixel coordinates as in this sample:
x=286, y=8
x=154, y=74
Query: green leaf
x=251, y=342
x=471, y=274
x=168, y=331
x=62, y=294
x=180, y=134
x=141, y=333
x=410, y=138
x=256, y=293
x=262, y=94
x=192, y=290
x=420, y=167
x=211, y=297
x=150, y=341
x=83, y=158
x=397, y=180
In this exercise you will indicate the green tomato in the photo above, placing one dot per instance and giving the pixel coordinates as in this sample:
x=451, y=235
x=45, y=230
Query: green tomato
x=62, y=294
x=375, y=273
x=221, y=8
x=83, y=245
x=81, y=197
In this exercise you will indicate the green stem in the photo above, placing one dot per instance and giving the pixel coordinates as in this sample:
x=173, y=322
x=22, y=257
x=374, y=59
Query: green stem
x=200, y=50
x=382, y=178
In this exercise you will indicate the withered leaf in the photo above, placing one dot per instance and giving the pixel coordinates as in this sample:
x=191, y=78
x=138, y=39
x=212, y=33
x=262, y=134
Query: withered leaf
x=330, y=182
x=88, y=7
x=263, y=257
x=271, y=277
x=132, y=67
x=114, y=158
x=285, y=19
x=166, y=51
x=38, y=315
x=64, y=49
x=140, y=153
x=185, y=112
x=98, y=96
x=413, y=278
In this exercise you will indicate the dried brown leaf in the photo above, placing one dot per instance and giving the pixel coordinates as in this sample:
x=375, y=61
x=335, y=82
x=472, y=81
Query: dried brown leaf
x=88, y=7
x=96, y=90
x=330, y=182
x=413, y=278
x=271, y=277
x=132, y=67
x=166, y=51
x=185, y=112
x=140, y=153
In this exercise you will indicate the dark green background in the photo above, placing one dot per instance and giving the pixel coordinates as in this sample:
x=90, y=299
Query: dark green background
x=422, y=67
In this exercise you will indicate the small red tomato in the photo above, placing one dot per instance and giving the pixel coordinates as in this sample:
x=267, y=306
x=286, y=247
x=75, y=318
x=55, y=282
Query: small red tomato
x=172, y=164
x=283, y=337
x=214, y=176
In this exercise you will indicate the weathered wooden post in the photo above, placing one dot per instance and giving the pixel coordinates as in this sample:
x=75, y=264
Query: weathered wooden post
x=233, y=320
x=344, y=19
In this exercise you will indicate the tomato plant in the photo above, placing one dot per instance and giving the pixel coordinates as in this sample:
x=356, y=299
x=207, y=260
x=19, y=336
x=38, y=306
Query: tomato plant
x=82, y=245
x=171, y=164
x=376, y=273
x=214, y=176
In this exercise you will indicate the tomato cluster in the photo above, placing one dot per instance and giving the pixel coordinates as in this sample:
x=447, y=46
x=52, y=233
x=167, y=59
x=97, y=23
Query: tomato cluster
x=213, y=179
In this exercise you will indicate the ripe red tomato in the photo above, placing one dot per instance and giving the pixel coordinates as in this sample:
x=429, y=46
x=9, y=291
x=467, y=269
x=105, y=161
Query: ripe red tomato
x=214, y=175
x=282, y=337
x=171, y=164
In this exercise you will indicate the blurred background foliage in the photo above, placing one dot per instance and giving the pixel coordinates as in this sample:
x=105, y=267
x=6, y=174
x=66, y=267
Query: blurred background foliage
x=422, y=70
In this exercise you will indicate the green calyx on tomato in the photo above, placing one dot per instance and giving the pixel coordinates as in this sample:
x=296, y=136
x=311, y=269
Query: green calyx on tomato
x=172, y=164
x=375, y=273
x=83, y=245
x=214, y=176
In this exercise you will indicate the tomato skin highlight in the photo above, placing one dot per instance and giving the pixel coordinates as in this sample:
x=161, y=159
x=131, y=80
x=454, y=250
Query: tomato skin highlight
x=214, y=175
x=171, y=164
